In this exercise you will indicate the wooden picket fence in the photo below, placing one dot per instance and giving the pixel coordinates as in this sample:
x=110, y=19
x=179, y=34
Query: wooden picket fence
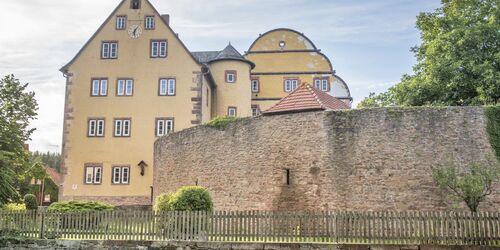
x=438, y=228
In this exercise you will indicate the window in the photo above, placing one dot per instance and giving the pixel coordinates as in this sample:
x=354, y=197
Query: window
x=232, y=111
x=158, y=48
x=167, y=87
x=122, y=127
x=255, y=110
x=255, y=85
x=96, y=128
x=93, y=174
x=287, y=176
x=135, y=4
x=99, y=87
x=291, y=84
x=125, y=87
x=109, y=50
x=149, y=23
x=164, y=126
x=322, y=84
x=121, y=22
x=121, y=175
x=230, y=76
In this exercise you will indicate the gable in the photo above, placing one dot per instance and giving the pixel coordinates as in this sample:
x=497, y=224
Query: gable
x=293, y=41
x=107, y=31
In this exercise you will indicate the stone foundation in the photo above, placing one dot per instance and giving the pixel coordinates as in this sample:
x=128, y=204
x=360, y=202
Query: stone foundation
x=114, y=200
x=99, y=244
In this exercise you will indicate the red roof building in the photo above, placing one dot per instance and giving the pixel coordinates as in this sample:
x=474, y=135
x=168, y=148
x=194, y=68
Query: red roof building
x=306, y=98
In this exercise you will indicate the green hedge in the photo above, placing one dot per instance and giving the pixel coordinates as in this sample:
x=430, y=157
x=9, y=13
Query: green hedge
x=221, y=122
x=188, y=198
x=79, y=206
x=493, y=127
x=30, y=202
x=13, y=207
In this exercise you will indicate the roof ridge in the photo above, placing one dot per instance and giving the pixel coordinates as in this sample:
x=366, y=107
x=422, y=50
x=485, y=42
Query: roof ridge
x=316, y=95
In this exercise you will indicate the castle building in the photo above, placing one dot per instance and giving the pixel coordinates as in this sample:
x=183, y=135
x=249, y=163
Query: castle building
x=135, y=81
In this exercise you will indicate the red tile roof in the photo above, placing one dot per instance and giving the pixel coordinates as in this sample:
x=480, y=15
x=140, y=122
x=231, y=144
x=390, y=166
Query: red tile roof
x=54, y=175
x=306, y=98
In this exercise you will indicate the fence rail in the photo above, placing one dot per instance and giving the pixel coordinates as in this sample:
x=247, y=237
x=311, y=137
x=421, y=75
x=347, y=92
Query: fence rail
x=446, y=228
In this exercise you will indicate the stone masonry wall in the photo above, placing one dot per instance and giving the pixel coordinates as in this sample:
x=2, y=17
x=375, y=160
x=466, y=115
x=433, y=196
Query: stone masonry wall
x=371, y=159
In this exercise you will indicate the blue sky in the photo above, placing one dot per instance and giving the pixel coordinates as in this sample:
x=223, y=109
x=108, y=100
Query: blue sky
x=368, y=42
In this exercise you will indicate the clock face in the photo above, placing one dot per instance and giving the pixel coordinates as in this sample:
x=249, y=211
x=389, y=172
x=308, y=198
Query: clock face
x=135, y=31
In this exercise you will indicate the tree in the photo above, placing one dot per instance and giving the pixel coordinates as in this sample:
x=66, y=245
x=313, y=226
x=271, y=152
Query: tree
x=17, y=108
x=52, y=160
x=458, y=61
x=471, y=186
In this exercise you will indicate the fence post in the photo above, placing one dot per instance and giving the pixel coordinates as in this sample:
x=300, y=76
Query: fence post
x=42, y=222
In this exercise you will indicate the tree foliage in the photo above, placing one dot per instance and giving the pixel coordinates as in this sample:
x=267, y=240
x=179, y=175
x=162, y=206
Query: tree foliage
x=52, y=160
x=187, y=198
x=17, y=109
x=470, y=185
x=30, y=202
x=458, y=61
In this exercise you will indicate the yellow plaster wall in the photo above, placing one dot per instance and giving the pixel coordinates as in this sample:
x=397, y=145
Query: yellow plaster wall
x=279, y=64
x=236, y=94
x=271, y=40
x=143, y=107
x=290, y=61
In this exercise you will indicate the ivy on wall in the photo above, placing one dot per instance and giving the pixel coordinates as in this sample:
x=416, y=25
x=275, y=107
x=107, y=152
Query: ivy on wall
x=493, y=127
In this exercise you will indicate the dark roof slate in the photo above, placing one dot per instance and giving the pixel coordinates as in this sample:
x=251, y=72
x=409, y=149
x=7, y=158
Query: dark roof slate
x=228, y=53
x=205, y=56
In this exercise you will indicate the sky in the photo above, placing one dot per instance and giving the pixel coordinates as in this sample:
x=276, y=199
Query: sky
x=368, y=41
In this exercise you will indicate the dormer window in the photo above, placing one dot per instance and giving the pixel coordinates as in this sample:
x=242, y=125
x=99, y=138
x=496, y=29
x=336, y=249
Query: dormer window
x=136, y=4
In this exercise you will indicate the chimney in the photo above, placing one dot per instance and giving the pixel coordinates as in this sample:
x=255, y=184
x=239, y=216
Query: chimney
x=166, y=18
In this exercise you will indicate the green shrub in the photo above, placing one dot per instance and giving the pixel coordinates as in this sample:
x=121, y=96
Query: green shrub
x=162, y=202
x=493, y=127
x=79, y=206
x=30, y=202
x=221, y=122
x=11, y=236
x=14, y=207
x=191, y=198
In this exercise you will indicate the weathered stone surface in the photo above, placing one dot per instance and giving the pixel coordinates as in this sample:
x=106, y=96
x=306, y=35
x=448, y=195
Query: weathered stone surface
x=115, y=200
x=172, y=245
x=373, y=159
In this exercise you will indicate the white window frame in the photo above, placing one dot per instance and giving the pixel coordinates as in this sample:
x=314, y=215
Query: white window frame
x=231, y=76
x=164, y=126
x=149, y=23
x=125, y=87
x=122, y=127
x=95, y=128
x=232, y=111
x=93, y=174
x=120, y=175
x=99, y=87
x=255, y=111
x=121, y=22
x=158, y=49
x=167, y=87
x=255, y=85
x=321, y=84
x=109, y=50
x=291, y=84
